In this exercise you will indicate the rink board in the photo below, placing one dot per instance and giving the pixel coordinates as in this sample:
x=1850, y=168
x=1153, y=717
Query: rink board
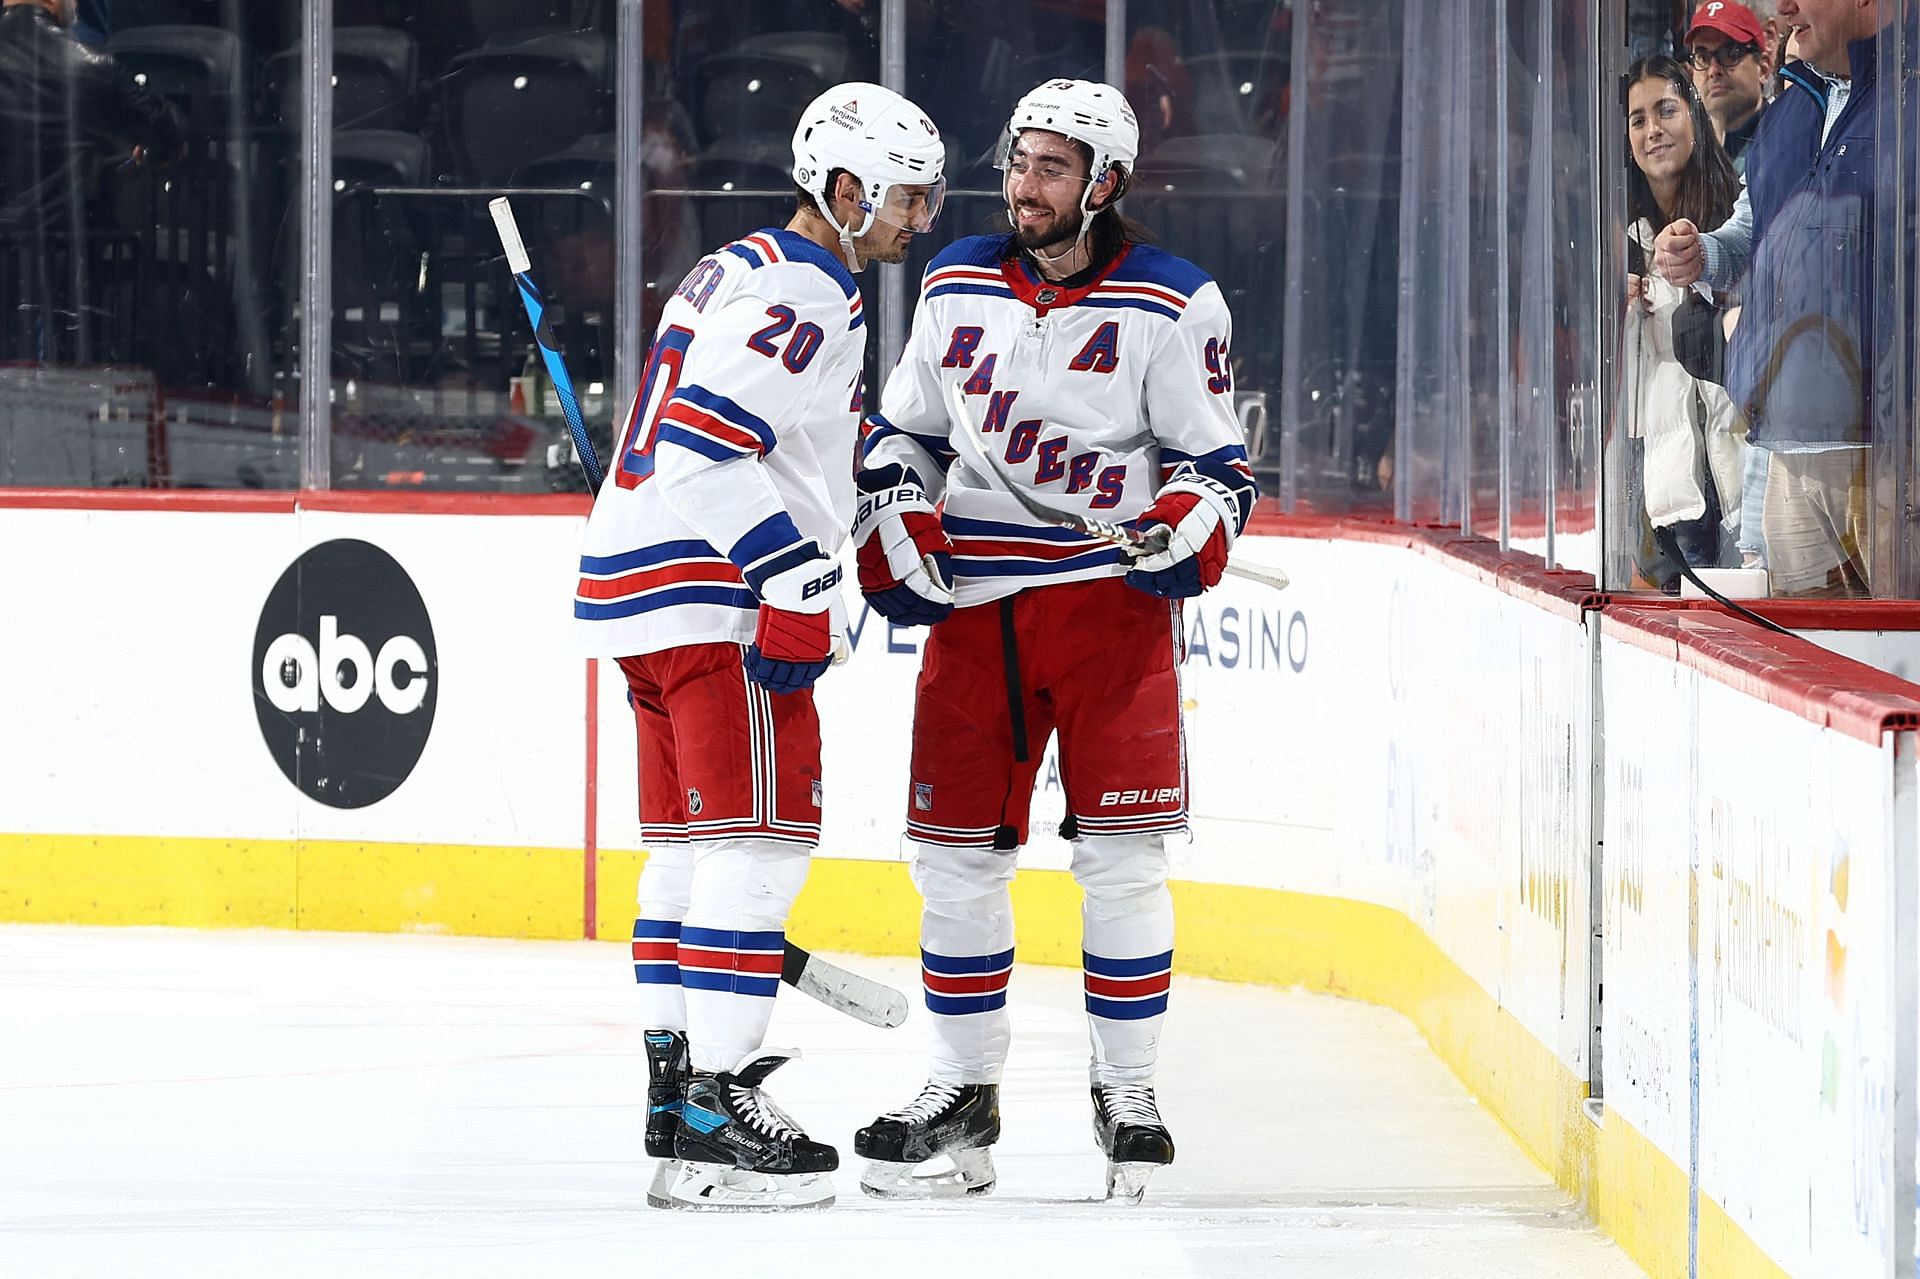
x=1417, y=775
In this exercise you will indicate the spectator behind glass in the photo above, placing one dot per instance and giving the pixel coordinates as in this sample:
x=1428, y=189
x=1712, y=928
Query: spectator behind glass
x=1732, y=68
x=1690, y=449
x=1800, y=246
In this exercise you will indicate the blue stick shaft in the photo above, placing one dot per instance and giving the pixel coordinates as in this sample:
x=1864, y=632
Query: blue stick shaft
x=562, y=380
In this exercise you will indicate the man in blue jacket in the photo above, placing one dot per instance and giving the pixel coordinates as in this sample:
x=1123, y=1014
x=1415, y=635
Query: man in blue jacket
x=1800, y=249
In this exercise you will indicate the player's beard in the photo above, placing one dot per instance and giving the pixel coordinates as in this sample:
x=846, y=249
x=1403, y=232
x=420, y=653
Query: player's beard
x=883, y=243
x=1047, y=238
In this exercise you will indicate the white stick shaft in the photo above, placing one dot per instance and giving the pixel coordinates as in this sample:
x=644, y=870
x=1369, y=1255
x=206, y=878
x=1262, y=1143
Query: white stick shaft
x=1259, y=573
x=517, y=260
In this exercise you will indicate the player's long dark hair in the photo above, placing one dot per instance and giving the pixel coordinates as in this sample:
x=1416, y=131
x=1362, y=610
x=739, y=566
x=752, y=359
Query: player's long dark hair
x=1709, y=187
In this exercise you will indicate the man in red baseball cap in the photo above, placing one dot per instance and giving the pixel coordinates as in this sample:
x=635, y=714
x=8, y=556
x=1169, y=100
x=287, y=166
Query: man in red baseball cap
x=1732, y=65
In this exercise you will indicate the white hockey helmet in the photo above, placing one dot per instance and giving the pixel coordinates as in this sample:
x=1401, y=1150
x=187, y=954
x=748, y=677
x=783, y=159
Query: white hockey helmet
x=885, y=142
x=1093, y=114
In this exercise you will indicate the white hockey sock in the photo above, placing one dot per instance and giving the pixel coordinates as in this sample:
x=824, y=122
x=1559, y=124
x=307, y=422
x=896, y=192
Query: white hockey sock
x=1127, y=953
x=966, y=961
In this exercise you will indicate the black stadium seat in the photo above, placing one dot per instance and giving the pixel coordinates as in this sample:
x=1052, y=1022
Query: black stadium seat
x=590, y=164
x=746, y=162
x=512, y=104
x=375, y=75
x=378, y=158
x=197, y=68
x=748, y=91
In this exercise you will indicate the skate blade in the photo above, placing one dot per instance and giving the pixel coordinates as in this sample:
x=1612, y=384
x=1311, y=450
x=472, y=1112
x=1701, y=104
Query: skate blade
x=955, y=1174
x=660, y=1189
x=719, y=1188
x=1127, y=1183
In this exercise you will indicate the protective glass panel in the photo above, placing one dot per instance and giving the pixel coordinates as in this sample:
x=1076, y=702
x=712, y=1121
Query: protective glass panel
x=436, y=381
x=149, y=246
x=1350, y=210
x=1763, y=386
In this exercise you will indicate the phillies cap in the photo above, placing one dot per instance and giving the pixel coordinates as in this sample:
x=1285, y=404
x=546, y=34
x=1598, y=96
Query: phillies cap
x=1734, y=21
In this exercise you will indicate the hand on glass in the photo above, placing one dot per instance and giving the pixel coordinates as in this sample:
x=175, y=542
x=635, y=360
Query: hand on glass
x=1677, y=254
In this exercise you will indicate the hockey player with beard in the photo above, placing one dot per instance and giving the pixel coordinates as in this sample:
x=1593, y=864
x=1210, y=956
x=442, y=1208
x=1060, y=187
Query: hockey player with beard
x=1096, y=369
x=708, y=571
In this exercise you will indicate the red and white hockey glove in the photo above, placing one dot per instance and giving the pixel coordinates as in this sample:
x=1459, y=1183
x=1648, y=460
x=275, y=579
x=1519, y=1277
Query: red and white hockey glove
x=802, y=625
x=1199, y=519
x=904, y=557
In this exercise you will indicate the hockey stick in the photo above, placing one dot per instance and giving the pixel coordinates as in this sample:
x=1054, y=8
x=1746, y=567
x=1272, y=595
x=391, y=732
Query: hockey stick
x=1136, y=544
x=519, y=263
x=859, y=997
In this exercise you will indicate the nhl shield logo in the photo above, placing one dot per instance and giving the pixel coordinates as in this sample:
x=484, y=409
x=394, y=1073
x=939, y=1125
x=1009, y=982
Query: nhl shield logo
x=1047, y=297
x=694, y=802
x=816, y=792
x=923, y=797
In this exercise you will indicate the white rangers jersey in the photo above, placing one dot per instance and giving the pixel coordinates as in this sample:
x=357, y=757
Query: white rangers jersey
x=736, y=453
x=1090, y=397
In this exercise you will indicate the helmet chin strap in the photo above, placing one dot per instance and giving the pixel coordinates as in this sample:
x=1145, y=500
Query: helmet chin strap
x=847, y=234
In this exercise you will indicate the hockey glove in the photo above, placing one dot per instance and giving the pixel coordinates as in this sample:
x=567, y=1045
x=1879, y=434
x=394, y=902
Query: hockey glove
x=904, y=557
x=802, y=624
x=1199, y=517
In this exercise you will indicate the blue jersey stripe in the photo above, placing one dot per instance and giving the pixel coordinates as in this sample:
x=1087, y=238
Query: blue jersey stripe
x=981, y=290
x=656, y=928
x=729, y=596
x=770, y=537
x=647, y=556
x=720, y=405
x=1136, y=304
x=969, y=566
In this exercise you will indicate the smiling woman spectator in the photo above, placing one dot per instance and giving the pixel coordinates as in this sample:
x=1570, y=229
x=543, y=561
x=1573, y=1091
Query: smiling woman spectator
x=1687, y=429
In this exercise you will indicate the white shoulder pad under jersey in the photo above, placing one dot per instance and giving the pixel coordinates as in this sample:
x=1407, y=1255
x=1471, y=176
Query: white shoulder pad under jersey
x=1090, y=397
x=736, y=454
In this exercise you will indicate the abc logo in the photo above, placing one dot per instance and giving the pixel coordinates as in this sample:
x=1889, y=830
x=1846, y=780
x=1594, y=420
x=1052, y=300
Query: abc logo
x=345, y=674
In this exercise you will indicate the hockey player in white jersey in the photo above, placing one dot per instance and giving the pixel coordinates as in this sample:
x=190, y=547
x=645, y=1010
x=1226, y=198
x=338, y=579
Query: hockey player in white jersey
x=708, y=571
x=1097, y=371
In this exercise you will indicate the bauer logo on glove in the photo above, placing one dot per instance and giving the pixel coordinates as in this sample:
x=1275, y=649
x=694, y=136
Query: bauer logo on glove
x=1200, y=517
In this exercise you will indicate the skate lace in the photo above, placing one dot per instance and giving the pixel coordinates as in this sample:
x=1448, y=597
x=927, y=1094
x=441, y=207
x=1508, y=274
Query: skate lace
x=759, y=1111
x=1131, y=1104
x=933, y=1099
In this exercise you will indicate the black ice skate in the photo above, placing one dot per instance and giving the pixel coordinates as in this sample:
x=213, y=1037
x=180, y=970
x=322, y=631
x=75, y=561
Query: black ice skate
x=936, y=1146
x=738, y=1150
x=667, y=1073
x=1128, y=1129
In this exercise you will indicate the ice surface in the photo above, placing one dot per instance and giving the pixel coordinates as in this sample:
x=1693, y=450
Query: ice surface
x=264, y=1103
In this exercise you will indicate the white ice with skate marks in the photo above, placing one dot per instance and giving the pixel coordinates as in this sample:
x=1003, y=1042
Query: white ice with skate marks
x=241, y=1103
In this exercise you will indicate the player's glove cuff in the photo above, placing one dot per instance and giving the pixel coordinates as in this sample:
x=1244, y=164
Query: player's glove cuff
x=789, y=650
x=903, y=556
x=1201, y=517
